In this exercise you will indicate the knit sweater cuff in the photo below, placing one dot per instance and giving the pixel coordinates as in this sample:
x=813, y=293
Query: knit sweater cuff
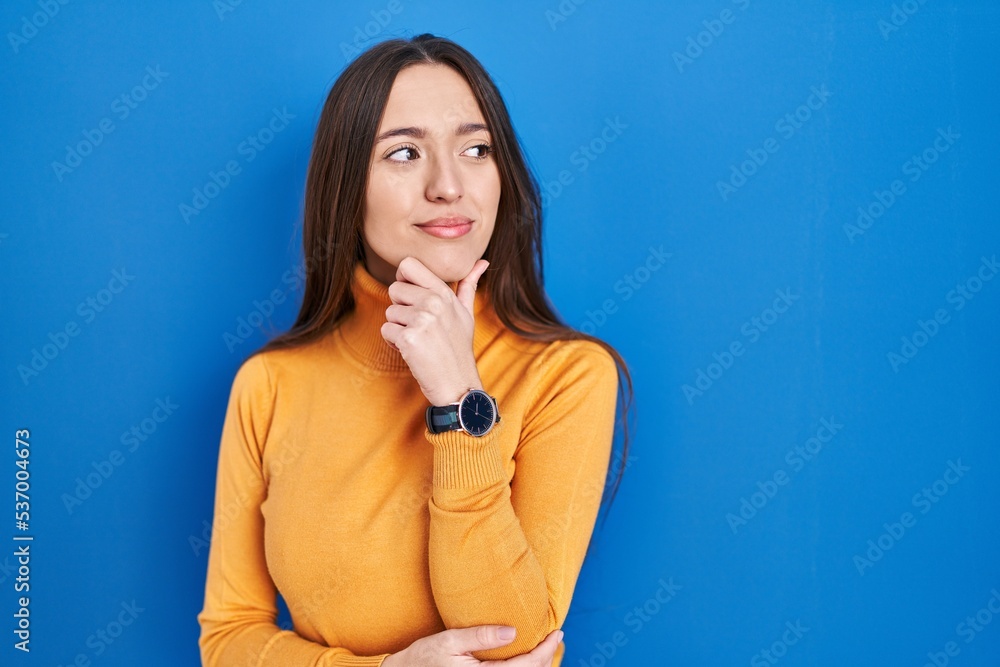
x=463, y=461
x=291, y=648
x=361, y=660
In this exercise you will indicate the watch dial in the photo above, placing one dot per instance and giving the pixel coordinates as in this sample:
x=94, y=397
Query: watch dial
x=477, y=413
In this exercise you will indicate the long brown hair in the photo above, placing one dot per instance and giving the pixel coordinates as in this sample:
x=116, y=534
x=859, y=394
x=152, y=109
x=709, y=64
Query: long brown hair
x=334, y=203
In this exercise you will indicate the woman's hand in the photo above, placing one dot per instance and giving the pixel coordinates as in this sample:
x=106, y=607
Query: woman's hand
x=451, y=648
x=432, y=327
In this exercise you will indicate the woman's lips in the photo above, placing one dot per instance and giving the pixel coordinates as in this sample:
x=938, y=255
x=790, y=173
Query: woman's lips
x=449, y=232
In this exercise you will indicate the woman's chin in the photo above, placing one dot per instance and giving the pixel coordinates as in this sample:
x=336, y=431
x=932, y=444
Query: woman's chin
x=450, y=271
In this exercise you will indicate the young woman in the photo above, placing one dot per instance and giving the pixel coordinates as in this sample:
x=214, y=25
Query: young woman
x=418, y=464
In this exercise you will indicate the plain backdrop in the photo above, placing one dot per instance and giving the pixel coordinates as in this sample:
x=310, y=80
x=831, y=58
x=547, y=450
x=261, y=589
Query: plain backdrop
x=782, y=215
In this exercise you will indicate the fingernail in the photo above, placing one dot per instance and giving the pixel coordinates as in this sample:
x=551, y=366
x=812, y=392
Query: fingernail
x=559, y=638
x=506, y=632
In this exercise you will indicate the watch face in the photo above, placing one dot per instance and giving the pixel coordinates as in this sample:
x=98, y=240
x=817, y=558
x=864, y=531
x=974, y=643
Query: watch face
x=476, y=413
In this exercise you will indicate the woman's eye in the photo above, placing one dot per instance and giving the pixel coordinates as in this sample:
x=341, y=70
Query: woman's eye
x=484, y=150
x=399, y=151
x=409, y=153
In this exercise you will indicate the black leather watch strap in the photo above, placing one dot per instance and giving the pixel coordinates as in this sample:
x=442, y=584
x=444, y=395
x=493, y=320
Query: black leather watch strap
x=483, y=414
x=442, y=418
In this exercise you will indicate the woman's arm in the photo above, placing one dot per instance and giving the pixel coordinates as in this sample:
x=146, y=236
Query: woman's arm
x=510, y=553
x=238, y=619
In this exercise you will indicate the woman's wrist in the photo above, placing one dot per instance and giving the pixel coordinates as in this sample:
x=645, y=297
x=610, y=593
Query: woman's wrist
x=455, y=395
x=392, y=660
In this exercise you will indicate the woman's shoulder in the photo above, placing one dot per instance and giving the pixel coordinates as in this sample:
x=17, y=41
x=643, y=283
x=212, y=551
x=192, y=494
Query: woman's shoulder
x=273, y=362
x=253, y=376
x=259, y=371
x=579, y=354
x=573, y=374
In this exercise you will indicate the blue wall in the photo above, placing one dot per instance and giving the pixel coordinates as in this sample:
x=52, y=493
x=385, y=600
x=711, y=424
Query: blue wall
x=783, y=216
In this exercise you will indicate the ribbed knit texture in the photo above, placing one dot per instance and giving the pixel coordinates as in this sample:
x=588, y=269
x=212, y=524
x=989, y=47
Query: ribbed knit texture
x=331, y=490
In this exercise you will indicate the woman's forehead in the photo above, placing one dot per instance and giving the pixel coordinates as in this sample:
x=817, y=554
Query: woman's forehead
x=433, y=97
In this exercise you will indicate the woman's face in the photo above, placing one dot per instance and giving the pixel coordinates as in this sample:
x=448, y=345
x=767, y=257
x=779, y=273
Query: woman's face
x=431, y=160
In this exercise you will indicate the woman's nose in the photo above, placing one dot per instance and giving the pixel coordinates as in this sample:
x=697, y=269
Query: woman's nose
x=444, y=182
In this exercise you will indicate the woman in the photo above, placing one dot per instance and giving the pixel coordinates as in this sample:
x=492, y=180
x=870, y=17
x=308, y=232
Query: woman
x=417, y=465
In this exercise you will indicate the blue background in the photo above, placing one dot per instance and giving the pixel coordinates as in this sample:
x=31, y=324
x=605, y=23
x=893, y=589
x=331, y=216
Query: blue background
x=683, y=126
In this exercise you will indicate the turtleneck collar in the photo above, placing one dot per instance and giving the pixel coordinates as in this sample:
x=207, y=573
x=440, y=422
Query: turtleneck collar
x=361, y=329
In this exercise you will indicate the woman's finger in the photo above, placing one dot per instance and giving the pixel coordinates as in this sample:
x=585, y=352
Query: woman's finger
x=540, y=656
x=405, y=293
x=412, y=270
x=479, y=638
x=400, y=314
x=390, y=332
x=466, y=292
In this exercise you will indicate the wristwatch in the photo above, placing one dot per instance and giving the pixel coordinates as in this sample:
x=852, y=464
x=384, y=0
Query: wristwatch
x=475, y=413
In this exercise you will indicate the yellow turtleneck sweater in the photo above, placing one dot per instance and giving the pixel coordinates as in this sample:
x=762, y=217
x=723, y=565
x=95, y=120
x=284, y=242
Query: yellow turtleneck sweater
x=377, y=532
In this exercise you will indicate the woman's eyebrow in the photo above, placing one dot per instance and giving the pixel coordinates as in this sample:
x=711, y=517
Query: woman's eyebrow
x=420, y=133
